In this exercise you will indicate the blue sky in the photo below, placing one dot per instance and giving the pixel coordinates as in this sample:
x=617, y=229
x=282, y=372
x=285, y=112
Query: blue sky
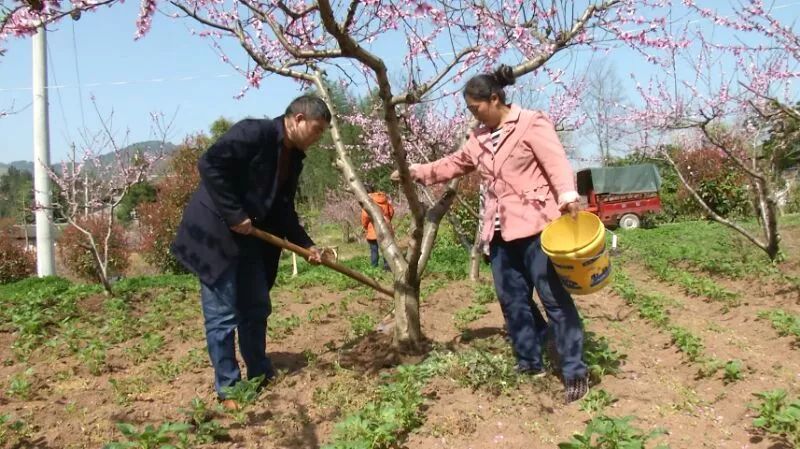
x=168, y=71
x=107, y=54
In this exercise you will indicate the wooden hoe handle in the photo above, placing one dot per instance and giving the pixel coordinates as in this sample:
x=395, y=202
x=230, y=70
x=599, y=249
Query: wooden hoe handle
x=360, y=277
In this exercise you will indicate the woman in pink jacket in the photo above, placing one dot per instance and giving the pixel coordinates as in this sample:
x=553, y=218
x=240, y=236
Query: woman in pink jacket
x=529, y=183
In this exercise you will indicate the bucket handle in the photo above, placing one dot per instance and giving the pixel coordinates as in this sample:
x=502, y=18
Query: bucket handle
x=614, y=239
x=611, y=252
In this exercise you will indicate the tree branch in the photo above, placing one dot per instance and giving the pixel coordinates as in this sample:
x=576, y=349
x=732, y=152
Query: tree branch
x=724, y=148
x=280, y=34
x=352, y=49
x=202, y=20
x=351, y=14
x=415, y=95
x=716, y=217
x=296, y=15
x=387, y=241
x=563, y=40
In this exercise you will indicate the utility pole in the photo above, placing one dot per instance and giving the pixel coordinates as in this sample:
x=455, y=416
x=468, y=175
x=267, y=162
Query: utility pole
x=45, y=261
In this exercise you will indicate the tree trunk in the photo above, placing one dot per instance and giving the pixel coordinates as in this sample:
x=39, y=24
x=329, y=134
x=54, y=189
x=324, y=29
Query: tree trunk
x=101, y=269
x=768, y=215
x=407, y=331
x=475, y=256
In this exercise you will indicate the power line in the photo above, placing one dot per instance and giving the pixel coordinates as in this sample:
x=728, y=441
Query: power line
x=124, y=82
x=78, y=75
x=52, y=66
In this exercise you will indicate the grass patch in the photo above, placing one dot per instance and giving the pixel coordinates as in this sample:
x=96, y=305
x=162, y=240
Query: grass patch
x=34, y=307
x=784, y=322
x=385, y=422
x=463, y=317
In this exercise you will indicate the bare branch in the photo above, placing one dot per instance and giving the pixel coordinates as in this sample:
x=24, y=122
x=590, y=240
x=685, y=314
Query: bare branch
x=200, y=19
x=296, y=15
x=280, y=34
x=263, y=63
x=348, y=45
x=790, y=111
x=722, y=146
x=563, y=40
x=351, y=14
x=415, y=95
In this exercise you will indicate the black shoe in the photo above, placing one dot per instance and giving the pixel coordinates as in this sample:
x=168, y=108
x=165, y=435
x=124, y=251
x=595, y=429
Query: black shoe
x=532, y=372
x=575, y=389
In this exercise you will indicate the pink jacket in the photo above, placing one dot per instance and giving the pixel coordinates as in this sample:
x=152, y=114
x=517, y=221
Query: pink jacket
x=527, y=180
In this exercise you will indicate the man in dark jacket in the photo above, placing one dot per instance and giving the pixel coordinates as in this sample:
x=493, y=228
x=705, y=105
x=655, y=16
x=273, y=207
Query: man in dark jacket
x=248, y=179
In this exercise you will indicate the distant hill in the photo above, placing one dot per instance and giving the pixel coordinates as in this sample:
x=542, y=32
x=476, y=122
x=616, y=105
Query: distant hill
x=19, y=165
x=150, y=146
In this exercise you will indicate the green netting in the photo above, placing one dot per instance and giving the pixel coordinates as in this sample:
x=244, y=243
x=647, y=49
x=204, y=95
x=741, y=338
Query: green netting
x=626, y=179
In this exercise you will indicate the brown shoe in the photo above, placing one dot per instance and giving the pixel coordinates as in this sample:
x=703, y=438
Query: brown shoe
x=230, y=405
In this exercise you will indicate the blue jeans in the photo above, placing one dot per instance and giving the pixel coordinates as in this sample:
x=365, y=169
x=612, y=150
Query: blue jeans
x=519, y=267
x=374, y=254
x=239, y=301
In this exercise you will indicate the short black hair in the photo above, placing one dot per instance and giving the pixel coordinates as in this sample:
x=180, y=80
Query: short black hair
x=482, y=87
x=313, y=107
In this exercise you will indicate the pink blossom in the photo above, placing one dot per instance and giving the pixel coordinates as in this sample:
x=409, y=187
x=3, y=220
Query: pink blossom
x=146, y=11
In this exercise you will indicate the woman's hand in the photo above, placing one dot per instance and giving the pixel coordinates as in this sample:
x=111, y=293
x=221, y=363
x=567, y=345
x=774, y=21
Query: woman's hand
x=395, y=176
x=571, y=208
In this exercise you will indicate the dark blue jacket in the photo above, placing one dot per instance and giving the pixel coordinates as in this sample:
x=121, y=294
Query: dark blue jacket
x=238, y=180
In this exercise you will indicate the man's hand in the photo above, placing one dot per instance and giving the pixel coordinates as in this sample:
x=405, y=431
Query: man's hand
x=315, y=258
x=244, y=227
x=571, y=208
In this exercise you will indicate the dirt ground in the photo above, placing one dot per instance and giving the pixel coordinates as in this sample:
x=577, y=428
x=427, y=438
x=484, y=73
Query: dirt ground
x=326, y=372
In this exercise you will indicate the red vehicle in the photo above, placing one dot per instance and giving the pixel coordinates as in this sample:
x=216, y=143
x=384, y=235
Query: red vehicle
x=621, y=196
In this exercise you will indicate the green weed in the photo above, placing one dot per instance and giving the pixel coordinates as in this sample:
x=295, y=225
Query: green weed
x=600, y=358
x=150, y=437
x=596, y=401
x=732, y=372
x=688, y=343
x=206, y=430
x=484, y=294
x=20, y=385
x=93, y=356
x=384, y=423
x=785, y=323
x=604, y=432
x=361, y=324
x=167, y=370
x=245, y=392
x=148, y=345
x=464, y=316
x=320, y=313
x=283, y=326
x=126, y=389
x=778, y=417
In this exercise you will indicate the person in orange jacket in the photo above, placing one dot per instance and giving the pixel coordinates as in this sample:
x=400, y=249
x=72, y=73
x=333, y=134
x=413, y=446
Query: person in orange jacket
x=382, y=200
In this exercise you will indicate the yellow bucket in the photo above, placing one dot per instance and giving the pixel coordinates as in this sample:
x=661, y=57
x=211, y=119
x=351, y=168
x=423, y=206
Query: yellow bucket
x=577, y=248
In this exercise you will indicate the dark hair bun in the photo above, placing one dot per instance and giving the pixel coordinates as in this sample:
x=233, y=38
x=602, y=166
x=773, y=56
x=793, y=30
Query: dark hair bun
x=505, y=75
